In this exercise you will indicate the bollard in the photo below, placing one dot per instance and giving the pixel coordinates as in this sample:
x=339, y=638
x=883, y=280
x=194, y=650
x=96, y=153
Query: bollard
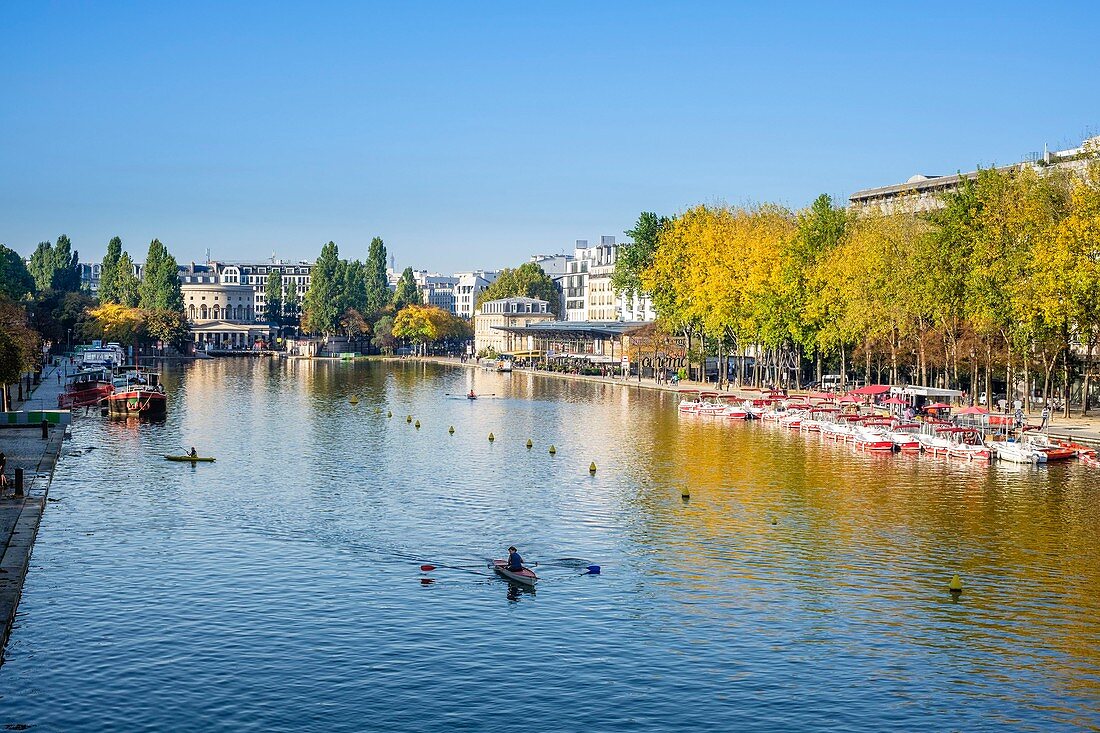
x=45, y=429
x=19, y=482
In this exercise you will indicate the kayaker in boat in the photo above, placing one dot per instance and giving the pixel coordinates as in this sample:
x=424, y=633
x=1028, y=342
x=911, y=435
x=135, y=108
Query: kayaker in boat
x=193, y=453
x=515, y=562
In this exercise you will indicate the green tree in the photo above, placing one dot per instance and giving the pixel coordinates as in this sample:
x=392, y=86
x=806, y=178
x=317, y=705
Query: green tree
x=160, y=284
x=56, y=267
x=377, y=284
x=407, y=293
x=637, y=255
x=291, y=302
x=383, y=338
x=126, y=282
x=15, y=279
x=273, y=298
x=108, y=272
x=526, y=281
x=354, y=285
x=18, y=347
x=169, y=326
x=321, y=308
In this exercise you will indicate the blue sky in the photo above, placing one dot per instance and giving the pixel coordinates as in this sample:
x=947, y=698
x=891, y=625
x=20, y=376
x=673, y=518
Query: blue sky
x=472, y=135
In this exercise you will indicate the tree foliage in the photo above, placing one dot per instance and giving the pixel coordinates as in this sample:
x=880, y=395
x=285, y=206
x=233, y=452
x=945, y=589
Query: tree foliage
x=377, y=283
x=321, y=307
x=273, y=297
x=15, y=280
x=108, y=272
x=160, y=282
x=407, y=292
x=18, y=345
x=55, y=266
x=526, y=281
x=428, y=323
x=636, y=255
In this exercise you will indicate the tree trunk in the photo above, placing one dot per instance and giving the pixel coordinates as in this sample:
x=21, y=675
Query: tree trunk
x=819, y=359
x=843, y=369
x=798, y=363
x=989, y=371
x=1027, y=381
x=6, y=406
x=1065, y=378
x=867, y=363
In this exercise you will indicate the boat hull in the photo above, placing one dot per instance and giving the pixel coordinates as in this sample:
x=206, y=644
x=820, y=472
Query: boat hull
x=189, y=459
x=137, y=403
x=523, y=577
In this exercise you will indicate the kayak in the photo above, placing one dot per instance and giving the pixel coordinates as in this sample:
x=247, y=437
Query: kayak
x=189, y=459
x=523, y=577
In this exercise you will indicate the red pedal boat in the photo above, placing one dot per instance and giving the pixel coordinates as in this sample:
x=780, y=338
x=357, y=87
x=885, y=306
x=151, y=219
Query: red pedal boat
x=523, y=577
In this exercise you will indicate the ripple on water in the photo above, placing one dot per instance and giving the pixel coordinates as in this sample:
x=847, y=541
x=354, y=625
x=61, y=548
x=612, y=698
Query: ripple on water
x=801, y=586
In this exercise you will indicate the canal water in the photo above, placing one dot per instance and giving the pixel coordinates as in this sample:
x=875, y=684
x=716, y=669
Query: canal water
x=802, y=586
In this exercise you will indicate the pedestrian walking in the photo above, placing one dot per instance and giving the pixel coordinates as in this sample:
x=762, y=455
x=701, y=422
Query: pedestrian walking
x=1019, y=418
x=1046, y=418
x=3, y=468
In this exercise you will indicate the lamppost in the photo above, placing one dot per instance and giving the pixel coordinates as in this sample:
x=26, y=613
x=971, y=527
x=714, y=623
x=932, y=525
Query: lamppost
x=69, y=343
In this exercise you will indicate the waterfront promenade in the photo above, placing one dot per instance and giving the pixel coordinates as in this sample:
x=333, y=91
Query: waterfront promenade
x=1076, y=427
x=20, y=515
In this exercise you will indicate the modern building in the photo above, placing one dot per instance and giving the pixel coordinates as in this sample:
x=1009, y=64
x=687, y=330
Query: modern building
x=493, y=319
x=922, y=193
x=602, y=303
x=220, y=309
x=597, y=342
x=466, y=290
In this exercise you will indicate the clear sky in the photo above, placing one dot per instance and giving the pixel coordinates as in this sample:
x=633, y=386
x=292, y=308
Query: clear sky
x=473, y=135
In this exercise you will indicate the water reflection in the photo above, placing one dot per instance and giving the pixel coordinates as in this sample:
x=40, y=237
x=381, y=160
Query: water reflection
x=801, y=583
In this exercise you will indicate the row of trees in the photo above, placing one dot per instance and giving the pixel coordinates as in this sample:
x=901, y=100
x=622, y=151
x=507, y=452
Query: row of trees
x=1002, y=282
x=132, y=309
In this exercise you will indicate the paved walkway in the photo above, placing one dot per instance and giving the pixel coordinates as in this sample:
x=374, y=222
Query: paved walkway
x=21, y=515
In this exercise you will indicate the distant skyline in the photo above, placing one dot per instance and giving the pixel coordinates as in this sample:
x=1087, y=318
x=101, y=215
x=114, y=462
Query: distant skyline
x=469, y=136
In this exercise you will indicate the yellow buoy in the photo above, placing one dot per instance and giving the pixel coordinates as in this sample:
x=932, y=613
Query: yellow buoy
x=451, y=430
x=353, y=400
x=529, y=443
x=553, y=450
x=389, y=413
x=409, y=418
x=956, y=584
x=685, y=493
x=491, y=437
x=417, y=424
x=592, y=468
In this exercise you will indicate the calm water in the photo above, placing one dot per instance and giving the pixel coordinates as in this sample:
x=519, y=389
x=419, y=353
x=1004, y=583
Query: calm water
x=802, y=586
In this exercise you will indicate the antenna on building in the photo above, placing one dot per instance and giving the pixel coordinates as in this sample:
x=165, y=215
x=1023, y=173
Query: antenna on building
x=208, y=255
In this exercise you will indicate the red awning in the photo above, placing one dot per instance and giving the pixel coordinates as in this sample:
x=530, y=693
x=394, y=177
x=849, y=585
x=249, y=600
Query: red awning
x=871, y=389
x=973, y=411
x=938, y=406
x=894, y=401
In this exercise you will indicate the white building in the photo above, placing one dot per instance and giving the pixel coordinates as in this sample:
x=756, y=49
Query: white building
x=436, y=289
x=254, y=274
x=467, y=288
x=574, y=283
x=553, y=265
x=219, y=308
x=602, y=303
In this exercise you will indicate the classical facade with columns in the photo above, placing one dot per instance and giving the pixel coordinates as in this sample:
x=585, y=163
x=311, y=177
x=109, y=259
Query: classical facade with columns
x=221, y=313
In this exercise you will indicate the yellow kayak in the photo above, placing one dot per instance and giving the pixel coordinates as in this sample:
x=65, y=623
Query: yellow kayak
x=189, y=459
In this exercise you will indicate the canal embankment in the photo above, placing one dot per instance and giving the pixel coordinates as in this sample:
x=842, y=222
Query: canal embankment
x=32, y=454
x=1076, y=428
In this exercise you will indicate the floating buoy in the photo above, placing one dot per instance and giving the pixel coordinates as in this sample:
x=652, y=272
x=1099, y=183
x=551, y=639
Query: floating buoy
x=408, y=418
x=529, y=444
x=389, y=413
x=417, y=424
x=956, y=584
x=592, y=468
x=491, y=437
x=685, y=493
x=553, y=450
x=353, y=400
x=774, y=521
x=451, y=430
